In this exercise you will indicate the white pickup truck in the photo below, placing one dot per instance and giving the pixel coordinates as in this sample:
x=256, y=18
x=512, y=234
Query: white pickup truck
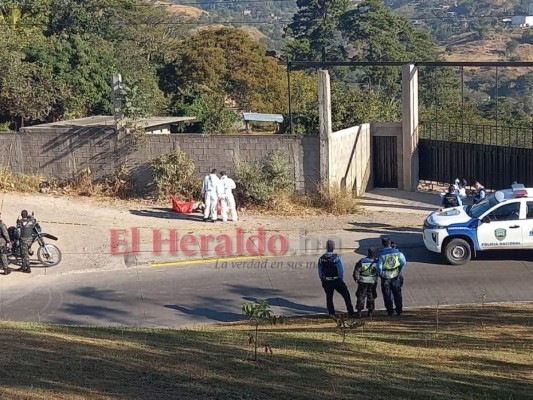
x=501, y=221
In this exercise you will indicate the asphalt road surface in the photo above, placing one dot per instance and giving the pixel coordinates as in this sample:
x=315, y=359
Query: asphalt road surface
x=174, y=296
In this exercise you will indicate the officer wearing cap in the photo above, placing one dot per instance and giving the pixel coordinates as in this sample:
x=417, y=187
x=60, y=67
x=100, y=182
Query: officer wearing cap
x=365, y=274
x=331, y=274
x=451, y=199
x=25, y=227
x=391, y=262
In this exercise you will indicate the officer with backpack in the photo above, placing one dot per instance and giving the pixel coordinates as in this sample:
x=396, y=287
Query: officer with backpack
x=331, y=274
x=365, y=274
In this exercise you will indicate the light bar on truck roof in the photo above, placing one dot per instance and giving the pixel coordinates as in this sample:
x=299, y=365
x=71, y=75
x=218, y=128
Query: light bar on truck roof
x=519, y=190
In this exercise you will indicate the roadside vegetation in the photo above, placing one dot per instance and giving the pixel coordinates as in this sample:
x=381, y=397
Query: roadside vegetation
x=264, y=186
x=474, y=352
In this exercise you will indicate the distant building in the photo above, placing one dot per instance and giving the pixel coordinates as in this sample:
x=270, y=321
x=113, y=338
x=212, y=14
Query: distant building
x=247, y=12
x=523, y=21
x=152, y=125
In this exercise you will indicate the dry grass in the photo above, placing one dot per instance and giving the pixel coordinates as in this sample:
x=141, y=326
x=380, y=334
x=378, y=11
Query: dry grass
x=11, y=181
x=334, y=200
x=187, y=11
x=323, y=202
x=117, y=185
x=478, y=353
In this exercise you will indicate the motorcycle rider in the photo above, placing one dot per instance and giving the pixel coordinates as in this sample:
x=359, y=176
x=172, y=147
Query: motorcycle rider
x=5, y=243
x=25, y=227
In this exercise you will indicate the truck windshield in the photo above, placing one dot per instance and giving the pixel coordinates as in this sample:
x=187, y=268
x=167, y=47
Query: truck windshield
x=480, y=208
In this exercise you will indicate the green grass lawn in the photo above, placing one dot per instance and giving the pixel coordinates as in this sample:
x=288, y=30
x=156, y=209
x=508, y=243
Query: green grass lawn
x=477, y=353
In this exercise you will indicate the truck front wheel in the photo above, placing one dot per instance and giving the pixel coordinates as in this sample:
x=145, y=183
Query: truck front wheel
x=458, y=252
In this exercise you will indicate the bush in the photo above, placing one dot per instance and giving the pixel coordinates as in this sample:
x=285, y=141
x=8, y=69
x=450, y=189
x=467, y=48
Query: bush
x=334, y=200
x=173, y=174
x=118, y=184
x=260, y=183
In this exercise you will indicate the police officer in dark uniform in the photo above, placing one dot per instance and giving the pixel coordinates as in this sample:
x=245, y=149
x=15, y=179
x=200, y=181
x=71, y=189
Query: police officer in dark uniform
x=365, y=274
x=481, y=192
x=391, y=262
x=331, y=274
x=25, y=227
x=451, y=199
x=5, y=241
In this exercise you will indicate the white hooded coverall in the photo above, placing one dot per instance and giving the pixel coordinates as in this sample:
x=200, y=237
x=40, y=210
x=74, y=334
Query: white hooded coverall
x=227, y=199
x=209, y=192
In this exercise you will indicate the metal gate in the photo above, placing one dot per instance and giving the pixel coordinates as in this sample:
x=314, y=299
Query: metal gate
x=385, y=164
x=496, y=156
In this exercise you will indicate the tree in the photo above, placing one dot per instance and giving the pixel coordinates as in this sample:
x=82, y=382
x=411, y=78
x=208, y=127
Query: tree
x=315, y=31
x=259, y=312
x=27, y=91
x=376, y=34
x=230, y=63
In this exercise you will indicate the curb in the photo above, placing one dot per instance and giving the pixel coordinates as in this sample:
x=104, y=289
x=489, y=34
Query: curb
x=177, y=263
x=205, y=260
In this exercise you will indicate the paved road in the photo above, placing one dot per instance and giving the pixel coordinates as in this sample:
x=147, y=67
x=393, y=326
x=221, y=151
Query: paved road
x=179, y=296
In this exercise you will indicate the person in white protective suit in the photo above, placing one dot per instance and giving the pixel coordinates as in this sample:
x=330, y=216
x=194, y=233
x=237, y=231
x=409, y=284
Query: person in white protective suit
x=227, y=200
x=210, y=195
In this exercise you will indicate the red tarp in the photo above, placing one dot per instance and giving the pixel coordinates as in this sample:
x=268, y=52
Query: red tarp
x=186, y=207
x=182, y=207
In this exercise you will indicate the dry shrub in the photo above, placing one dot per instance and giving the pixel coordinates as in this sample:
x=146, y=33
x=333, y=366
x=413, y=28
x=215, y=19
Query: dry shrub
x=174, y=175
x=334, y=200
x=119, y=184
x=116, y=185
x=291, y=204
x=262, y=183
x=10, y=180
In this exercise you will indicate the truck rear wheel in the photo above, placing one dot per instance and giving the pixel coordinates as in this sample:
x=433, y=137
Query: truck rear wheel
x=458, y=252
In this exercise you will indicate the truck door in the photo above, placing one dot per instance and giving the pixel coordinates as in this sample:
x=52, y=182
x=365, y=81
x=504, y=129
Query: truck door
x=527, y=226
x=501, y=228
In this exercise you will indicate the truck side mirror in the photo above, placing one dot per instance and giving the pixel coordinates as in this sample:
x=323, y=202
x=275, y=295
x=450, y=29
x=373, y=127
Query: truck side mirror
x=486, y=220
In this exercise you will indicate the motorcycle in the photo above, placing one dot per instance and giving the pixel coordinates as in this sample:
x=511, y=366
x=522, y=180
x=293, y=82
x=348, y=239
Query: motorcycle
x=48, y=254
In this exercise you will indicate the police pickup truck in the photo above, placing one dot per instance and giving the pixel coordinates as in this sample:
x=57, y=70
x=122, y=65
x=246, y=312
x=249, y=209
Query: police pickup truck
x=501, y=221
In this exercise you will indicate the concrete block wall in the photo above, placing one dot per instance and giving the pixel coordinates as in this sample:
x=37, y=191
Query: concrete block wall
x=64, y=153
x=350, y=155
x=221, y=151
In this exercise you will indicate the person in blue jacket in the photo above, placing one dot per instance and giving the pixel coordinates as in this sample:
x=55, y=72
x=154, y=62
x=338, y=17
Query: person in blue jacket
x=331, y=274
x=481, y=192
x=391, y=262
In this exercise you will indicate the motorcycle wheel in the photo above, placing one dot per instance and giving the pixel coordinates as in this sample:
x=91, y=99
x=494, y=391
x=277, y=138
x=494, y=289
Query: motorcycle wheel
x=50, y=256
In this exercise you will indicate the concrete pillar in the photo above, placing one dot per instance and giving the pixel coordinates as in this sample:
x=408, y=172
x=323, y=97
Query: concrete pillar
x=410, y=175
x=324, y=114
x=116, y=84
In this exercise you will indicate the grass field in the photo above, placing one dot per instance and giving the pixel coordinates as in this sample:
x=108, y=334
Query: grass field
x=473, y=353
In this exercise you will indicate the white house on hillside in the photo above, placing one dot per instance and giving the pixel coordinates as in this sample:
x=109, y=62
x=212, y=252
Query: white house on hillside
x=523, y=21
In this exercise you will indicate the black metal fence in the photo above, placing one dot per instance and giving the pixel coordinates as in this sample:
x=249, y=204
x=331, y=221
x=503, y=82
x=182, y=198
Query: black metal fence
x=505, y=136
x=496, y=167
